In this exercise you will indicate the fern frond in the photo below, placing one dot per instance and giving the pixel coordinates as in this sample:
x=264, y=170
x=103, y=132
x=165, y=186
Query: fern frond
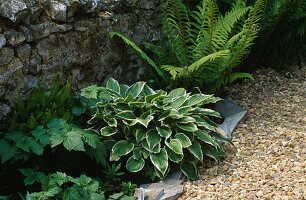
x=235, y=76
x=173, y=70
x=176, y=25
x=141, y=53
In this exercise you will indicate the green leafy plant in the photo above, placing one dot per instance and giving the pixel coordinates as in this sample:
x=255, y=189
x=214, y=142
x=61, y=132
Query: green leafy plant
x=18, y=145
x=282, y=41
x=154, y=128
x=204, y=47
x=61, y=186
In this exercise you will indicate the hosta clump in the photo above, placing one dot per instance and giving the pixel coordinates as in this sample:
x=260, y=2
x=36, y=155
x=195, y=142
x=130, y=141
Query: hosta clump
x=155, y=128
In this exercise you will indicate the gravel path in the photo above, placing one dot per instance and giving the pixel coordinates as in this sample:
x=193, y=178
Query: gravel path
x=269, y=161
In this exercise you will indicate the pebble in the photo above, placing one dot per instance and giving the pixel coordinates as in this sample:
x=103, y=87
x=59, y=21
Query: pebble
x=269, y=160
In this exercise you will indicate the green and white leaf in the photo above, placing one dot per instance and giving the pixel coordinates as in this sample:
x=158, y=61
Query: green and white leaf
x=108, y=131
x=189, y=169
x=164, y=131
x=160, y=161
x=152, y=138
x=184, y=140
x=196, y=150
x=175, y=146
x=190, y=127
x=173, y=156
x=135, y=165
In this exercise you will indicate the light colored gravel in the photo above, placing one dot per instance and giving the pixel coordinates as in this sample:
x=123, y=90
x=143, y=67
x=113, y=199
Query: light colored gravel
x=269, y=161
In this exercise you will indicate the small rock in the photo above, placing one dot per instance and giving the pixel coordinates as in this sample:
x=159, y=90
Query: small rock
x=27, y=33
x=6, y=55
x=83, y=26
x=23, y=52
x=57, y=11
x=64, y=28
x=4, y=110
x=8, y=70
x=43, y=30
x=14, y=38
x=2, y=40
x=13, y=9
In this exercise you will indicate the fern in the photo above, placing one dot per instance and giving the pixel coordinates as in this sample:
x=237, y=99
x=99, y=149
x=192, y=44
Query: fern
x=141, y=53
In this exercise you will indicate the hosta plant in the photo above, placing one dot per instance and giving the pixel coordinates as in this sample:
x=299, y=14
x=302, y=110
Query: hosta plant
x=155, y=128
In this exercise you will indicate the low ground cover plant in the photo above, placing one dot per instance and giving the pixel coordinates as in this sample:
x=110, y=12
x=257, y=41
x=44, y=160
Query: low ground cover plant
x=155, y=129
x=146, y=131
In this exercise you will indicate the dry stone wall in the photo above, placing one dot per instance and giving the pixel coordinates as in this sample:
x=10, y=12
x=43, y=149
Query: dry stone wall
x=46, y=38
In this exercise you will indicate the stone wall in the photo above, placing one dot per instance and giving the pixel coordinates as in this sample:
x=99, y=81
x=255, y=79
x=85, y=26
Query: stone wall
x=46, y=38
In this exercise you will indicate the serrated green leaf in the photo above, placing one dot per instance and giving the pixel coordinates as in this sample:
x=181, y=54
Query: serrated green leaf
x=136, y=89
x=113, y=84
x=78, y=111
x=108, y=131
x=140, y=135
x=122, y=148
x=91, y=139
x=71, y=194
x=175, y=146
x=32, y=176
x=152, y=138
x=90, y=91
x=190, y=127
x=60, y=178
x=41, y=135
x=73, y=141
x=170, y=114
x=164, y=131
x=189, y=169
x=22, y=144
x=160, y=160
x=196, y=150
x=184, y=140
x=56, y=139
x=134, y=165
x=35, y=147
x=173, y=156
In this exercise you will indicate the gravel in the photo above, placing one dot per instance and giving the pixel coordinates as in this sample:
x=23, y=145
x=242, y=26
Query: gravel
x=269, y=161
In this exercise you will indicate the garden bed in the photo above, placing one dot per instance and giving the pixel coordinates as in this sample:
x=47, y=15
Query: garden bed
x=269, y=159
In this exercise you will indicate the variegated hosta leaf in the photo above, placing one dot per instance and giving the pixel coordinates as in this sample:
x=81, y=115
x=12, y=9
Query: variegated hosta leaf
x=123, y=89
x=164, y=131
x=122, y=107
x=176, y=103
x=140, y=134
x=135, y=165
x=160, y=161
x=201, y=99
x=196, y=150
x=126, y=115
x=202, y=123
x=202, y=135
x=175, y=146
x=135, y=89
x=108, y=131
x=113, y=85
x=145, y=145
x=147, y=91
x=145, y=118
x=205, y=111
x=177, y=92
x=122, y=148
x=152, y=138
x=220, y=137
x=189, y=169
x=110, y=121
x=152, y=97
x=129, y=98
x=173, y=156
x=184, y=140
x=186, y=120
x=138, y=152
x=190, y=135
x=190, y=127
x=170, y=114
x=211, y=152
x=185, y=109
